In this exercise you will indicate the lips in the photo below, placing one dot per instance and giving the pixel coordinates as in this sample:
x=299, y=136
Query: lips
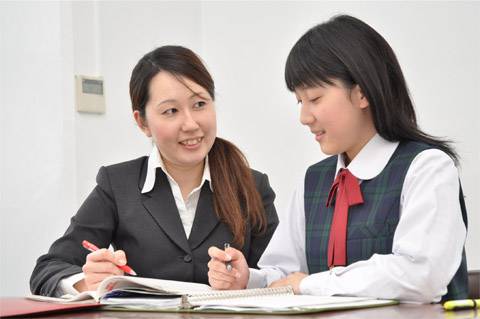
x=191, y=141
x=318, y=134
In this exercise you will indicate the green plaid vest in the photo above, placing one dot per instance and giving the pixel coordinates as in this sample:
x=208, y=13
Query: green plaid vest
x=371, y=226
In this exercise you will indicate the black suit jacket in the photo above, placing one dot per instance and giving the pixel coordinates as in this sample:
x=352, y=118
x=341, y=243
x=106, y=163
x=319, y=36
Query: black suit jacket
x=148, y=228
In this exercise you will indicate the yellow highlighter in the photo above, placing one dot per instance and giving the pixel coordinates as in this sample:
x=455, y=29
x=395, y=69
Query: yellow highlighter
x=461, y=304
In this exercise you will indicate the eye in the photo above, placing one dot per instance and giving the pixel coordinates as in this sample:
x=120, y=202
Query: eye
x=170, y=111
x=199, y=104
x=315, y=99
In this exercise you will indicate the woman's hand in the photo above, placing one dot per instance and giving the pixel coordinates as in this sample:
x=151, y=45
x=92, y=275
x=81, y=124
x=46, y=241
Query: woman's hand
x=99, y=265
x=219, y=276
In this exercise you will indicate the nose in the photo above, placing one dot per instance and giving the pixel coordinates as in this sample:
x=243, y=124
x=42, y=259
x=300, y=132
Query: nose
x=306, y=117
x=189, y=122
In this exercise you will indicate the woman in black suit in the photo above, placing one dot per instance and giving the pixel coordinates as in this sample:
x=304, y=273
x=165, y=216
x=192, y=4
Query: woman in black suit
x=194, y=191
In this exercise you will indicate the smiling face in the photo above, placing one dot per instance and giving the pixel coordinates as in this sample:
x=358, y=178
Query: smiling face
x=180, y=118
x=338, y=117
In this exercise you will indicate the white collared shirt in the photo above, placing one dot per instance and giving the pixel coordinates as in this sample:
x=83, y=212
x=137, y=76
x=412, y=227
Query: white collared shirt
x=186, y=208
x=427, y=244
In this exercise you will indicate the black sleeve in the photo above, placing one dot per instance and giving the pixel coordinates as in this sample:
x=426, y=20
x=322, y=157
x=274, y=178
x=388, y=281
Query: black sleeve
x=260, y=240
x=95, y=221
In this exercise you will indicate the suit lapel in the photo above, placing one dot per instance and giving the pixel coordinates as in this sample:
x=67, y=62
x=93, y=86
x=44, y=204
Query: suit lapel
x=161, y=206
x=205, y=218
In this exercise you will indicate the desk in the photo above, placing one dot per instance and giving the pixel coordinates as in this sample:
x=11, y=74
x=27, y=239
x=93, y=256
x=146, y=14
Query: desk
x=389, y=312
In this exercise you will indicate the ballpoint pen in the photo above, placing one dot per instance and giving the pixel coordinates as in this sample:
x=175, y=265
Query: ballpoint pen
x=91, y=247
x=227, y=264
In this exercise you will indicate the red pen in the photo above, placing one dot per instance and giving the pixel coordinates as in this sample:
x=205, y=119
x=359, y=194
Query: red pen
x=88, y=245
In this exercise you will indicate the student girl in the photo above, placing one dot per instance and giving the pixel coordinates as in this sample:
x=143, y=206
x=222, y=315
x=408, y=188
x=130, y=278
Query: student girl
x=384, y=216
x=162, y=212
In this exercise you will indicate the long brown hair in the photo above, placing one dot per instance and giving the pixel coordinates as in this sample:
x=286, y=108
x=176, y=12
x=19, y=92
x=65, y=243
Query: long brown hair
x=235, y=197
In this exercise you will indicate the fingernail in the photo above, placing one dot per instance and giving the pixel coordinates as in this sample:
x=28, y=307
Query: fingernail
x=229, y=257
x=122, y=261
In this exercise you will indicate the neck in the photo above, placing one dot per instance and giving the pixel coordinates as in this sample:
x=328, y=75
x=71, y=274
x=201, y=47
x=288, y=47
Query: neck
x=349, y=155
x=187, y=177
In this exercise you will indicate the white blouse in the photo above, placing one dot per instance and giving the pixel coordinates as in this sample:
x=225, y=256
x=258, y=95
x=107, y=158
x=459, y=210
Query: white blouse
x=427, y=244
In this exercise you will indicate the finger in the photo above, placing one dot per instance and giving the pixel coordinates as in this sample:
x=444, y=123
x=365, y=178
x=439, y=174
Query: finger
x=219, y=254
x=219, y=284
x=215, y=263
x=221, y=277
x=101, y=255
x=92, y=281
x=221, y=267
x=120, y=257
x=101, y=267
x=235, y=254
x=94, y=278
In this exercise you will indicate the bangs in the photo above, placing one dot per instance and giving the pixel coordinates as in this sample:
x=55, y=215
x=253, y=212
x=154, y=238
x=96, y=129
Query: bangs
x=313, y=61
x=303, y=68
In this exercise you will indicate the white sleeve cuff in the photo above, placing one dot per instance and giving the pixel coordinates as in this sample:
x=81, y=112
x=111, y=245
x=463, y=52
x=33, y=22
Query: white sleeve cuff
x=321, y=283
x=257, y=279
x=65, y=286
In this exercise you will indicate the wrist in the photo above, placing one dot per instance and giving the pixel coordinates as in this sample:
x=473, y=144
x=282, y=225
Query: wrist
x=246, y=277
x=81, y=286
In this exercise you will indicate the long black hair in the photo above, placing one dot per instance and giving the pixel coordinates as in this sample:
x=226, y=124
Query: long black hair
x=347, y=49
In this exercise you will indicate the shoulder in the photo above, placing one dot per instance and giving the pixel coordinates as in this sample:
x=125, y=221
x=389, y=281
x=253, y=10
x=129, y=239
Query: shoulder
x=262, y=183
x=433, y=159
x=127, y=166
x=124, y=171
x=321, y=170
x=419, y=154
x=259, y=177
x=433, y=171
x=325, y=163
x=407, y=150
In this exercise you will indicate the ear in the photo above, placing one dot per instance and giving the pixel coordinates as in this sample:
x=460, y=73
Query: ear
x=359, y=98
x=142, y=123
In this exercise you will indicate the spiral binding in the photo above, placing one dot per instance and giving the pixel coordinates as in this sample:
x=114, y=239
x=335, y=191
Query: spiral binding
x=232, y=294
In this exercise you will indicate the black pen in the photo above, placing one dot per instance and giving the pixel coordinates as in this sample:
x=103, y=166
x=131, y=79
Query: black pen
x=227, y=264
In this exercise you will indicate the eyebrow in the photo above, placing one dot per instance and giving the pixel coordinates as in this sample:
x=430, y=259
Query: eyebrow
x=200, y=94
x=166, y=101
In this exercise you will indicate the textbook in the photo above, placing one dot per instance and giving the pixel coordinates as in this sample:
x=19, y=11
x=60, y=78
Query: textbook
x=148, y=294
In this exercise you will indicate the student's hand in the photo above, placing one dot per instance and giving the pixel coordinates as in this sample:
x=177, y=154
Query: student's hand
x=293, y=280
x=99, y=265
x=218, y=275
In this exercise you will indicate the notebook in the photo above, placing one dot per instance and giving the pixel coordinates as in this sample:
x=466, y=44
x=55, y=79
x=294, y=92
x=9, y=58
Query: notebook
x=126, y=287
x=148, y=294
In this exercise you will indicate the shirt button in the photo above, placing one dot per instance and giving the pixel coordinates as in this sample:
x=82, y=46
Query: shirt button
x=187, y=258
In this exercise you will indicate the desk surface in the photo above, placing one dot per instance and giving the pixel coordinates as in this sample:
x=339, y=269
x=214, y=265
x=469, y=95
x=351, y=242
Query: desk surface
x=390, y=312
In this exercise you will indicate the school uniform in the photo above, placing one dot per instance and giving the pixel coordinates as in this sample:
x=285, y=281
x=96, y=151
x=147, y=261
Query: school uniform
x=137, y=207
x=405, y=241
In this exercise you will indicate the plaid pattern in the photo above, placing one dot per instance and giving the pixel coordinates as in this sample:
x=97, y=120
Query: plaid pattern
x=371, y=226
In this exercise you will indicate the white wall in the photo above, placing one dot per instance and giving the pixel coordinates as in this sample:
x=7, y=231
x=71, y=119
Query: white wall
x=37, y=172
x=50, y=154
x=125, y=32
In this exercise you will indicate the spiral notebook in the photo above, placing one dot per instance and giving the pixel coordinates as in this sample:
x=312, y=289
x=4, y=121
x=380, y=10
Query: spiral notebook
x=138, y=290
x=148, y=294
